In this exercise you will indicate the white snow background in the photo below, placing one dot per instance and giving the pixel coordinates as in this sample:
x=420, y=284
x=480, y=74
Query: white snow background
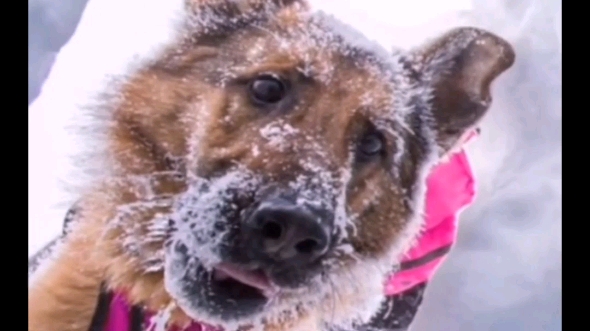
x=505, y=271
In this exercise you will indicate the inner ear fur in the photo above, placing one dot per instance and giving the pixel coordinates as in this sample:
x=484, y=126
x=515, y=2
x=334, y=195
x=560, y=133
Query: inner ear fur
x=460, y=67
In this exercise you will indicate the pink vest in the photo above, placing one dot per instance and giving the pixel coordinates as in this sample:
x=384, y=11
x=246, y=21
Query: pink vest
x=451, y=188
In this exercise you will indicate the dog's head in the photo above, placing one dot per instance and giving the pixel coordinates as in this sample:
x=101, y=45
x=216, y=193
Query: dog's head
x=300, y=152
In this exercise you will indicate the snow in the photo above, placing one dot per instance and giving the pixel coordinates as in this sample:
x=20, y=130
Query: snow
x=80, y=68
x=278, y=134
x=505, y=273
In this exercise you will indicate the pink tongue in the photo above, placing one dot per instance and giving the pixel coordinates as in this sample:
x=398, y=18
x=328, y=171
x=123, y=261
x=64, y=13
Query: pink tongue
x=251, y=278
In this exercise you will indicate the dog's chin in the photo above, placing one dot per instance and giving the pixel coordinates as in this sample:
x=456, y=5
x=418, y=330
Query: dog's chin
x=226, y=295
x=207, y=297
x=230, y=297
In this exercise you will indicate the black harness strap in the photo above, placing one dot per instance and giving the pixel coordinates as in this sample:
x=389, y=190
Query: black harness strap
x=137, y=318
x=101, y=313
x=435, y=254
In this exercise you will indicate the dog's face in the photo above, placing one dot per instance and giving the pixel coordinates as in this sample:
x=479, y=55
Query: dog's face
x=300, y=153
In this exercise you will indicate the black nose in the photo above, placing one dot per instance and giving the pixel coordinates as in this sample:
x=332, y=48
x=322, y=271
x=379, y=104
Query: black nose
x=293, y=235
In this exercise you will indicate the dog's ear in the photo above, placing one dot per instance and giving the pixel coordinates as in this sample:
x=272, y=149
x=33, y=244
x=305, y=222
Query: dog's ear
x=221, y=16
x=459, y=67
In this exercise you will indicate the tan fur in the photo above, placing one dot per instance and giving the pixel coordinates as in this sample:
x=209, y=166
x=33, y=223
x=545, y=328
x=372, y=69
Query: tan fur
x=158, y=120
x=65, y=296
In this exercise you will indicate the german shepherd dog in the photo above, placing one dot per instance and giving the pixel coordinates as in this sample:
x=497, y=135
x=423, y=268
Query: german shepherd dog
x=264, y=170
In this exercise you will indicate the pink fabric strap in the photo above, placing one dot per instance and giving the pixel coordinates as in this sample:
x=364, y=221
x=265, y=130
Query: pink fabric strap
x=450, y=189
x=120, y=319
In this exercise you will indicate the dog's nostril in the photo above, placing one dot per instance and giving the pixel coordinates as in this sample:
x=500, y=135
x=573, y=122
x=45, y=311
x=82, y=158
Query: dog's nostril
x=307, y=246
x=181, y=247
x=272, y=230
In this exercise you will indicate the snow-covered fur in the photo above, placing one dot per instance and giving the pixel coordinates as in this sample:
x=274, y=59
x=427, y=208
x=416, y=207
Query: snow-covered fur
x=186, y=152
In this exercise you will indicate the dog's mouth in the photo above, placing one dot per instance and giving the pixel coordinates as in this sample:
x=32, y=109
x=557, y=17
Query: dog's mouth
x=243, y=284
x=226, y=291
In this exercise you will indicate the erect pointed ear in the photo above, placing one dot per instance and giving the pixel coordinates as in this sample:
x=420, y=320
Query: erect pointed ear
x=460, y=67
x=227, y=15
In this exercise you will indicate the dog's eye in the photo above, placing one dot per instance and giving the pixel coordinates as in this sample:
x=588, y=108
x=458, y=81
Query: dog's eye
x=267, y=89
x=371, y=145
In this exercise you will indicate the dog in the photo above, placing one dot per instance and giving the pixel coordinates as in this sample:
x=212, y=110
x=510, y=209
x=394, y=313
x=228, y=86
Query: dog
x=264, y=170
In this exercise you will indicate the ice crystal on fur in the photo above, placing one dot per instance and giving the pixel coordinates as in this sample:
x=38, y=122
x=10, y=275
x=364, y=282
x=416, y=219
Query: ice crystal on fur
x=200, y=218
x=278, y=134
x=161, y=320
